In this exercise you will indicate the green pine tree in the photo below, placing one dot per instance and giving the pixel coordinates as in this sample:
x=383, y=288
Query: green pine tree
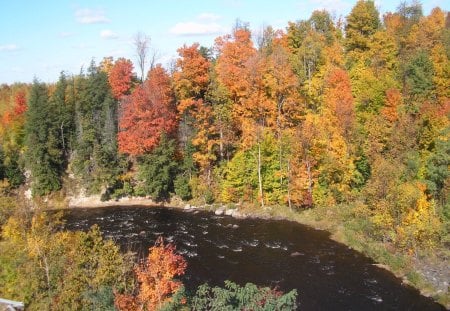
x=157, y=170
x=43, y=155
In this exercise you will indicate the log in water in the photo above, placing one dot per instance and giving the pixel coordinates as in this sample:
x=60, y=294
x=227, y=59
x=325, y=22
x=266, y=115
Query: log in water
x=283, y=254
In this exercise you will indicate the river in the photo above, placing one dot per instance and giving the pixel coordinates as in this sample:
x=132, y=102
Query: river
x=283, y=254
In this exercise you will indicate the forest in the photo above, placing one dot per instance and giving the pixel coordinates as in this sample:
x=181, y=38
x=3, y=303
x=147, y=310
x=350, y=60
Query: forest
x=342, y=117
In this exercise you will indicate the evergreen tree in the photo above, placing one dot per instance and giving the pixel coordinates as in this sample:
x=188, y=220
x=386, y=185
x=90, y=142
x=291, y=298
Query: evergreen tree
x=43, y=155
x=419, y=75
x=157, y=170
x=64, y=109
x=2, y=165
x=96, y=126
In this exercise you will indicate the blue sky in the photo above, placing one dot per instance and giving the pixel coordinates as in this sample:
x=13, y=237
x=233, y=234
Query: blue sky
x=42, y=38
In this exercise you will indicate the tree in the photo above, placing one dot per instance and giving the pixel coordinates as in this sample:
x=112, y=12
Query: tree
x=43, y=155
x=248, y=297
x=156, y=277
x=419, y=76
x=157, y=169
x=120, y=77
x=149, y=112
x=339, y=100
x=142, y=45
x=362, y=23
x=235, y=51
x=96, y=158
x=191, y=82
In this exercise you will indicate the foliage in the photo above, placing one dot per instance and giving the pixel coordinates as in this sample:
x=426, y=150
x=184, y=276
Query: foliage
x=157, y=170
x=120, y=77
x=43, y=154
x=156, y=279
x=59, y=270
x=95, y=154
x=329, y=111
x=147, y=114
x=362, y=23
x=248, y=297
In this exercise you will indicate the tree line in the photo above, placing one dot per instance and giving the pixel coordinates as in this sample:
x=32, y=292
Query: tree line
x=325, y=112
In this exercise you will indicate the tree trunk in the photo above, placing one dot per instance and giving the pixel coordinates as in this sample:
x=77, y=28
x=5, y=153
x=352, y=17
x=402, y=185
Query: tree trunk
x=259, y=175
x=289, y=183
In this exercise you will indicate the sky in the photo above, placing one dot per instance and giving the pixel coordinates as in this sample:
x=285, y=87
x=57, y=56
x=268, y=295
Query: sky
x=39, y=39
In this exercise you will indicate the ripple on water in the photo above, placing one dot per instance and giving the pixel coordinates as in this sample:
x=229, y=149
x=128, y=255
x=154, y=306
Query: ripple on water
x=252, y=243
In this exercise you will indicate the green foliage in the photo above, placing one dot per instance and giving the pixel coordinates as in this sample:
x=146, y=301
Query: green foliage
x=43, y=155
x=96, y=157
x=157, y=170
x=241, y=176
x=7, y=202
x=362, y=170
x=13, y=169
x=182, y=187
x=248, y=297
x=419, y=75
x=436, y=167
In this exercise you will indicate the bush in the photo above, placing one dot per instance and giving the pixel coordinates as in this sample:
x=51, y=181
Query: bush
x=249, y=297
x=182, y=187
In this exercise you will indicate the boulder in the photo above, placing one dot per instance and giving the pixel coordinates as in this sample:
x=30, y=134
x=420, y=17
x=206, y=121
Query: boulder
x=229, y=212
x=219, y=211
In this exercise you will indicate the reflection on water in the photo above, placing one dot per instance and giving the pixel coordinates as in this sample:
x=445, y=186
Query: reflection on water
x=326, y=274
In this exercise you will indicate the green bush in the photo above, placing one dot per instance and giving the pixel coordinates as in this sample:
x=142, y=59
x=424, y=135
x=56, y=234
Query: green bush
x=248, y=297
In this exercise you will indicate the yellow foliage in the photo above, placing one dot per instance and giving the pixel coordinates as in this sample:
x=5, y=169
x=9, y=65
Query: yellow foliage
x=420, y=225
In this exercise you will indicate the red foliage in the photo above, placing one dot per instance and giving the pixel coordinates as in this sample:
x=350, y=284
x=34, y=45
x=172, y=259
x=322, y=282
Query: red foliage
x=20, y=103
x=149, y=112
x=120, y=77
x=339, y=98
x=393, y=100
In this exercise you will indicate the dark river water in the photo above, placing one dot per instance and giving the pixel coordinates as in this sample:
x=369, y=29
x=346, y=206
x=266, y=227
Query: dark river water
x=326, y=274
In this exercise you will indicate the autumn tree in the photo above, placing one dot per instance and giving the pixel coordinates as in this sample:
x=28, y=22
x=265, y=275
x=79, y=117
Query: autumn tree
x=120, y=77
x=148, y=113
x=156, y=277
x=339, y=100
x=234, y=51
x=362, y=23
x=191, y=80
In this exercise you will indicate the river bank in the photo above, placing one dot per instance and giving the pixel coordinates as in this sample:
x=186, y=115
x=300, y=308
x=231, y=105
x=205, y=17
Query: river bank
x=427, y=272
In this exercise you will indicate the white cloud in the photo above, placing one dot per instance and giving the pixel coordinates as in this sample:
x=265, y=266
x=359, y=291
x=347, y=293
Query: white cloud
x=9, y=47
x=196, y=28
x=108, y=34
x=89, y=16
x=208, y=17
